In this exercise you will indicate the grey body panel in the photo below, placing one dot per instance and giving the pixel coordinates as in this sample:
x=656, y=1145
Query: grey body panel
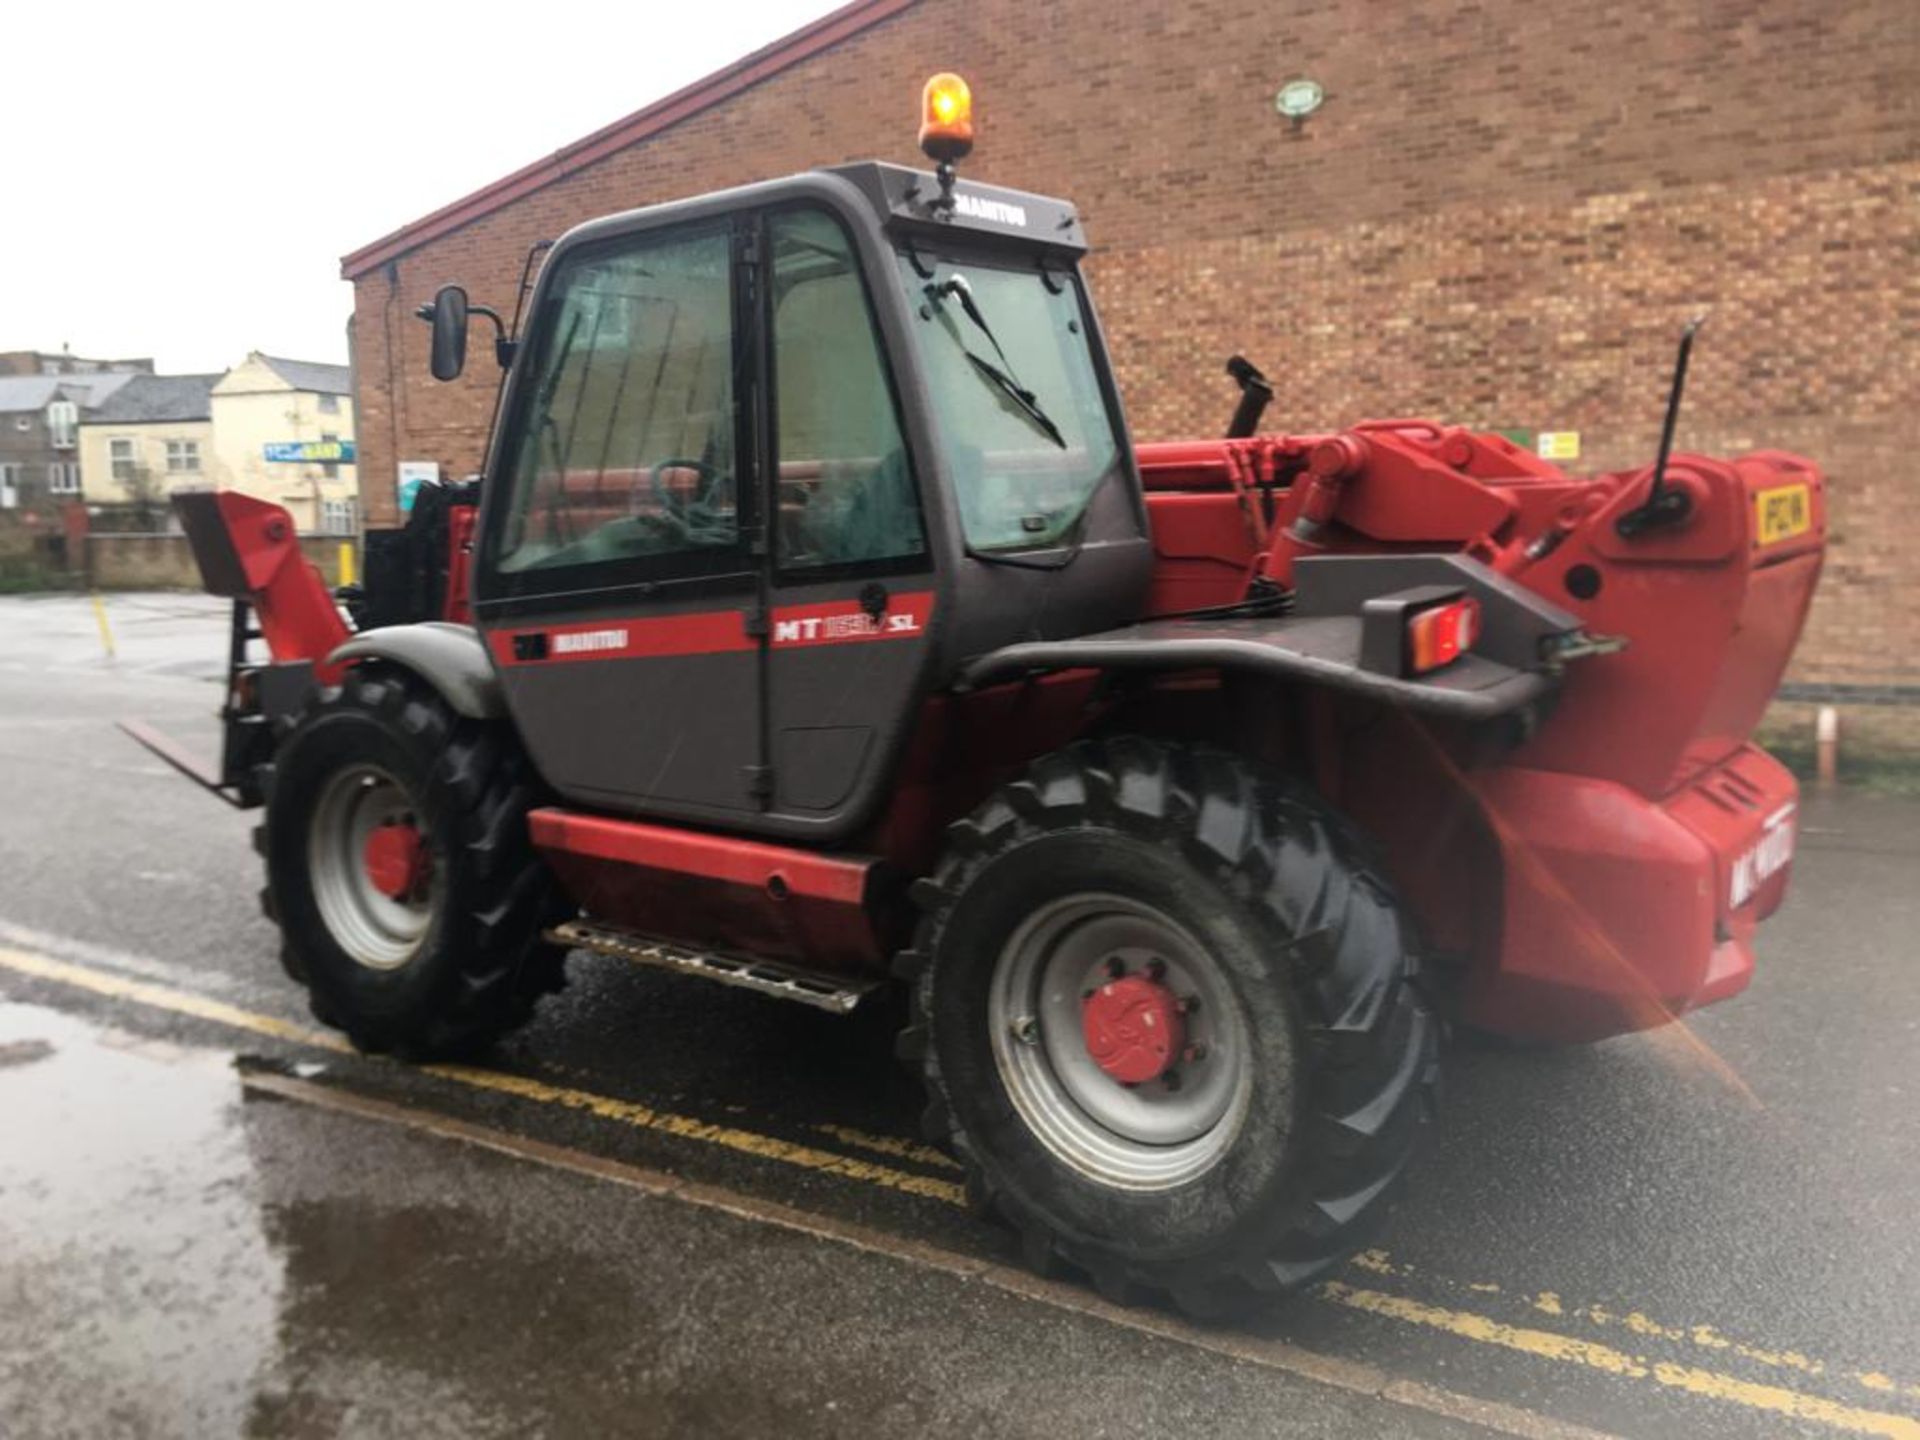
x=451, y=658
x=833, y=708
x=1320, y=642
x=1324, y=651
x=658, y=734
x=1514, y=619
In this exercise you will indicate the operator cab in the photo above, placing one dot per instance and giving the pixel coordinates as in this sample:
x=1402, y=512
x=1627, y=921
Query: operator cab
x=771, y=464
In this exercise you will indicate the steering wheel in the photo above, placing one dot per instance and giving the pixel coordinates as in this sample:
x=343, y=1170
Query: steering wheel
x=695, y=516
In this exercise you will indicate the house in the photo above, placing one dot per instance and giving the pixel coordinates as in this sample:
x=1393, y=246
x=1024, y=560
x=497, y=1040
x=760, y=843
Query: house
x=283, y=430
x=152, y=436
x=40, y=419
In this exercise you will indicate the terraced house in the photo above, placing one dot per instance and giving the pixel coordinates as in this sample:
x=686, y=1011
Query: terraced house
x=272, y=427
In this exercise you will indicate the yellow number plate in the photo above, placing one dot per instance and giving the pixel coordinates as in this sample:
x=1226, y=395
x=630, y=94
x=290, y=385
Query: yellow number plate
x=1782, y=513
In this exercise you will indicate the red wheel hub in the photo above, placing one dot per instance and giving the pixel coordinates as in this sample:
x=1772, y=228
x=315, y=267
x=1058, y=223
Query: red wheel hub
x=1132, y=1027
x=396, y=860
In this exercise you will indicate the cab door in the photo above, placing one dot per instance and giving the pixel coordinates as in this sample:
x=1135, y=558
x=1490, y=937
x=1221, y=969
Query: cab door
x=852, y=594
x=619, y=587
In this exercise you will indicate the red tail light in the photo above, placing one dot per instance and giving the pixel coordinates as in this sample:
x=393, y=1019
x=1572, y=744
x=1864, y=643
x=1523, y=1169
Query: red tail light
x=1442, y=635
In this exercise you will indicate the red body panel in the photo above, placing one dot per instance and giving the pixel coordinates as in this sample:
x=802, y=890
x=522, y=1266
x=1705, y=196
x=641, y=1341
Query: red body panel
x=256, y=556
x=460, y=522
x=1586, y=881
x=1619, y=913
x=717, y=891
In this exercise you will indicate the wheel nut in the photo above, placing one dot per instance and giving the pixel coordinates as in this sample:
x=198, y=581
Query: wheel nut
x=1116, y=967
x=1156, y=970
x=1027, y=1030
x=1194, y=1053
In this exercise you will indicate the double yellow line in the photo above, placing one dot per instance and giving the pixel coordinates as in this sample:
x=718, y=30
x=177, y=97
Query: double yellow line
x=1771, y=1400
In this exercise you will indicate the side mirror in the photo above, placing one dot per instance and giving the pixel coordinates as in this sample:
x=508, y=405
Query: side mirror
x=449, y=332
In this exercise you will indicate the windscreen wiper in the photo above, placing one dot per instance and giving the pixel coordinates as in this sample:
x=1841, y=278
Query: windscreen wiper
x=1003, y=380
x=1019, y=395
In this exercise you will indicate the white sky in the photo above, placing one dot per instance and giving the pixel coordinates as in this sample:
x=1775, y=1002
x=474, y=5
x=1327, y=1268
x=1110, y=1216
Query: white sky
x=181, y=179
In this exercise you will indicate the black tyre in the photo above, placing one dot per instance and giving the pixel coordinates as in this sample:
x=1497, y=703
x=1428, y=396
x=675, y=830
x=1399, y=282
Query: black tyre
x=410, y=900
x=1170, y=1022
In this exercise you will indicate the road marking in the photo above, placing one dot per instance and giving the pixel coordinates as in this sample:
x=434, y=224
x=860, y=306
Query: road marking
x=1331, y=1371
x=165, y=997
x=1549, y=1345
x=685, y=1127
x=1482, y=1329
x=627, y=1112
x=894, y=1145
x=1705, y=1337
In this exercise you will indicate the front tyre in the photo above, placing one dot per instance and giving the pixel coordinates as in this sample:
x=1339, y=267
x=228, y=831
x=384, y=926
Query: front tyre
x=410, y=900
x=1170, y=1022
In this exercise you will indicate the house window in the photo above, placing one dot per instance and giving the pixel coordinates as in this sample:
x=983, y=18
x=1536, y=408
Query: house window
x=337, y=517
x=327, y=437
x=63, y=421
x=183, y=457
x=329, y=404
x=120, y=458
x=9, y=486
x=63, y=477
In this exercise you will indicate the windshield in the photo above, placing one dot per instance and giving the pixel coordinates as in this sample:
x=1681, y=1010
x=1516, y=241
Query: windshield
x=1027, y=430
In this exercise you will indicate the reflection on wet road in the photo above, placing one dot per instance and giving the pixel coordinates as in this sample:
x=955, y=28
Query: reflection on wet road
x=140, y=1279
x=184, y=1257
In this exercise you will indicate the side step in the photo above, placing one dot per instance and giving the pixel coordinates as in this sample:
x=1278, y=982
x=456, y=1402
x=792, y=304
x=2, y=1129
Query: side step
x=836, y=993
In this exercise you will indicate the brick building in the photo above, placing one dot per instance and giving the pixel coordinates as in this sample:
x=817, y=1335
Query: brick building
x=1499, y=216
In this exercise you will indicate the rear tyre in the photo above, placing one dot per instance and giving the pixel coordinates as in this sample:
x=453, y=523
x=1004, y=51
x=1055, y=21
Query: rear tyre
x=1249, y=1137
x=410, y=900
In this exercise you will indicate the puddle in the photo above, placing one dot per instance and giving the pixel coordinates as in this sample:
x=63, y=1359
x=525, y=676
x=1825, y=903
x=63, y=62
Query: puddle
x=177, y=1259
x=140, y=1287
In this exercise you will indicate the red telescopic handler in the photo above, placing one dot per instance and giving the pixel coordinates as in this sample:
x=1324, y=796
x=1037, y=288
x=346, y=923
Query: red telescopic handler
x=815, y=627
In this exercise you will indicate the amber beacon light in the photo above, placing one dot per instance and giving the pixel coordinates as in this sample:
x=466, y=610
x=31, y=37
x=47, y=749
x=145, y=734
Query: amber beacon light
x=946, y=118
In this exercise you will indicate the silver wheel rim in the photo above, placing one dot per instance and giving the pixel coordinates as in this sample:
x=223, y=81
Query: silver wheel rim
x=377, y=930
x=1152, y=1136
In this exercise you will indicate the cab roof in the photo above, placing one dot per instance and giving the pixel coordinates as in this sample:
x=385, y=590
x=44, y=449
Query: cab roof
x=905, y=199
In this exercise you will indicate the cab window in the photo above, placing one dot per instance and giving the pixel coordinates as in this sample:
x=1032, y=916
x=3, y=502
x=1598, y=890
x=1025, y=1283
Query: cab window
x=1028, y=434
x=845, y=491
x=627, y=446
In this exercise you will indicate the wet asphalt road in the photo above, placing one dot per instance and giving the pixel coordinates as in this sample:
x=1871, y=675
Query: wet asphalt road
x=1704, y=1232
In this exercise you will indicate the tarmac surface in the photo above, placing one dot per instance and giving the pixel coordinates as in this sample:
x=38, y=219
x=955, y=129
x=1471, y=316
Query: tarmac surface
x=670, y=1208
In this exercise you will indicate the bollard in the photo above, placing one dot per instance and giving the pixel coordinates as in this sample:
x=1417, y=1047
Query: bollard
x=346, y=562
x=1826, y=741
x=100, y=618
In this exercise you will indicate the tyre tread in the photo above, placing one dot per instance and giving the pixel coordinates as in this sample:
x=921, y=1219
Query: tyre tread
x=1370, y=1073
x=478, y=774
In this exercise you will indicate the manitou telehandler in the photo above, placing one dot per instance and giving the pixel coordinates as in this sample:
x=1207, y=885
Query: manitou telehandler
x=814, y=621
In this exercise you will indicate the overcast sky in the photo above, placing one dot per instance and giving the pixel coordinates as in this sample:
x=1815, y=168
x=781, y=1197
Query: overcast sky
x=181, y=179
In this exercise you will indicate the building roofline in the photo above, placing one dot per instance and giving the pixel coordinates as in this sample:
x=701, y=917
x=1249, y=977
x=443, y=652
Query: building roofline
x=809, y=40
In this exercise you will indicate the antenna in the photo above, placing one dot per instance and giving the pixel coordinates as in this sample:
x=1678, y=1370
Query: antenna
x=1663, y=506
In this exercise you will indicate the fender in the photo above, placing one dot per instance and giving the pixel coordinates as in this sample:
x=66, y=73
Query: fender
x=451, y=658
x=1323, y=640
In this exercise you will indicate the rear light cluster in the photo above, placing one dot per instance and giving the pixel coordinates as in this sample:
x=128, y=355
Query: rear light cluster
x=1442, y=634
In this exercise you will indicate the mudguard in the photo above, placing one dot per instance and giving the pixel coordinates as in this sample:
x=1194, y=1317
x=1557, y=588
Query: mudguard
x=451, y=658
x=1323, y=640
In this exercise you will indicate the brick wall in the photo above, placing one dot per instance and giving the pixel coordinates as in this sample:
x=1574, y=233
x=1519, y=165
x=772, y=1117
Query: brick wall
x=1500, y=216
